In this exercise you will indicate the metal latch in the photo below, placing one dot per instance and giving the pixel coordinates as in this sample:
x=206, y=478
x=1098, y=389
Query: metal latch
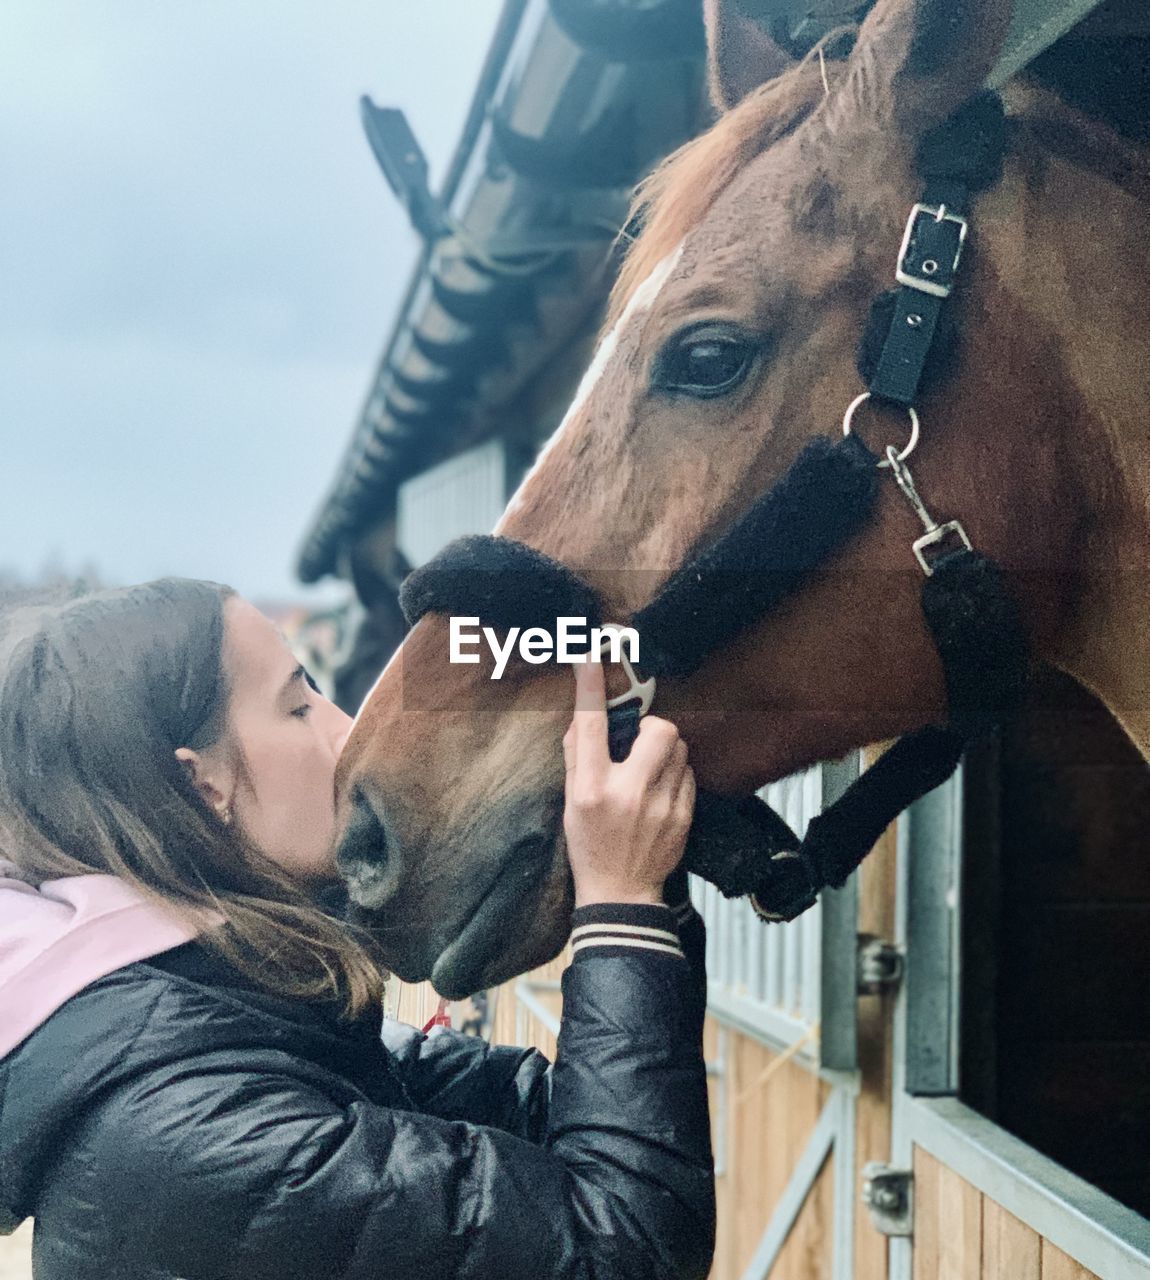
x=888, y=1194
x=880, y=965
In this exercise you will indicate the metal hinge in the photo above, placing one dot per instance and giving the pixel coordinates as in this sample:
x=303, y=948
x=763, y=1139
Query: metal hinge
x=888, y=1193
x=880, y=965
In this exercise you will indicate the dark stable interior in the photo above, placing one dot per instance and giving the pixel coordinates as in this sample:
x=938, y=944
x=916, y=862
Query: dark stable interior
x=1056, y=938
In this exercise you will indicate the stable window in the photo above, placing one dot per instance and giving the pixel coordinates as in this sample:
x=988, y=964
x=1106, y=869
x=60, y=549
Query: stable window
x=465, y=494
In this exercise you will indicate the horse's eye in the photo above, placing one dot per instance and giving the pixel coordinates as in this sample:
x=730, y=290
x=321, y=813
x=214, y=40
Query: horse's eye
x=706, y=362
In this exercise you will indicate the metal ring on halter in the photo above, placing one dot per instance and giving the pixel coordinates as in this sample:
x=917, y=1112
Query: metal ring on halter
x=849, y=416
x=643, y=690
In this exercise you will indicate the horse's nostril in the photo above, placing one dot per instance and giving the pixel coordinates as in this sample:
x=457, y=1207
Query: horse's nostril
x=362, y=856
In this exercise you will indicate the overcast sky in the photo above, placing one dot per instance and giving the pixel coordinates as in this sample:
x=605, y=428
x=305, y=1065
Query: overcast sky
x=199, y=265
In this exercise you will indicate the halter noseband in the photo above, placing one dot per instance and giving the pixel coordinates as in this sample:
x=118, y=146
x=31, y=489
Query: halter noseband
x=740, y=844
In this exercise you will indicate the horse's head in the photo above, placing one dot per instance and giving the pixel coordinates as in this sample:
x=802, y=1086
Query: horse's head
x=731, y=343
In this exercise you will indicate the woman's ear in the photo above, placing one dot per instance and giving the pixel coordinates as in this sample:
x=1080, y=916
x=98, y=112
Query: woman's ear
x=740, y=54
x=210, y=780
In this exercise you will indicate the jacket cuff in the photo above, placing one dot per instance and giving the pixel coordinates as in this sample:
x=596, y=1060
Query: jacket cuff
x=684, y=912
x=621, y=927
x=677, y=895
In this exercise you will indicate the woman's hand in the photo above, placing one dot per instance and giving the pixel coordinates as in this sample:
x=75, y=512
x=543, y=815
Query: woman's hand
x=626, y=823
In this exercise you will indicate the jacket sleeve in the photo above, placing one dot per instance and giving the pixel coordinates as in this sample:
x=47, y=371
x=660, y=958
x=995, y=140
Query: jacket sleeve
x=692, y=937
x=461, y=1077
x=232, y=1171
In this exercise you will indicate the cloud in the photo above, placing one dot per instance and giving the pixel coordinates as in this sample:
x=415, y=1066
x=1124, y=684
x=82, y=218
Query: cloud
x=201, y=264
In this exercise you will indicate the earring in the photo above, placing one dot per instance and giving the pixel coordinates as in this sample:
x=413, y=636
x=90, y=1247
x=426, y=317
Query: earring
x=225, y=814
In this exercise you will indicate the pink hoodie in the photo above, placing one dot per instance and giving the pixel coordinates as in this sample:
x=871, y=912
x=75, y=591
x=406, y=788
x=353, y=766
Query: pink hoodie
x=63, y=935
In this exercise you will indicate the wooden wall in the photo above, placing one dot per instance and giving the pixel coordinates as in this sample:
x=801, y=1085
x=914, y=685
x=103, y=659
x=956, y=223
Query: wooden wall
x=772, y=1107
x=960, y=1234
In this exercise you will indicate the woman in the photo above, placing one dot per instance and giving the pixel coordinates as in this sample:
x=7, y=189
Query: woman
x=194, y=1081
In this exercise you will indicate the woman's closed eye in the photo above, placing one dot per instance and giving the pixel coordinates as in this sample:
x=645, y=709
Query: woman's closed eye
x=305, y=708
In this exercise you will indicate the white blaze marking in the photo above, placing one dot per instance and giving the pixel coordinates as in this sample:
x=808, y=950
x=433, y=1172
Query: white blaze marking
x=640, y=301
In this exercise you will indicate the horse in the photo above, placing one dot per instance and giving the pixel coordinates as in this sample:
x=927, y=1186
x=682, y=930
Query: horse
x=730, y=342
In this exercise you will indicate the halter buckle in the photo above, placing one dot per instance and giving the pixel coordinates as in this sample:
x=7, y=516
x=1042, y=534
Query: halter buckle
x=643, y=690
x=931, y=249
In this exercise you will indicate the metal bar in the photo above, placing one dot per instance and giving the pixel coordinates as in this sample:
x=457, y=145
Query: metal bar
x=1035, y=25
x=838, y=981
x=725, y=957
x=900, y=1257
x=931, y=832
x=710, y=898
x=1100, y=1234
x=769, y=1025
x=525, y=990
x=843, y=1244
x=795, y=1193
x=810, y=984
x=741, y=978
x=792, y=966
x=774, y=970
x=757, y=959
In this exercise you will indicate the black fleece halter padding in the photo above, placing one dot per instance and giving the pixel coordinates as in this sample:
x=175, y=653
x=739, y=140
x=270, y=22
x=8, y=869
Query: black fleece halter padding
x=822, y=499
x=503, y=582
x=978, y=633
x=964, y=153
x=825, y=496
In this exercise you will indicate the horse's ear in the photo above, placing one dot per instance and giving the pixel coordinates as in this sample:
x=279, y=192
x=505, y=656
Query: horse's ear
x=740, y=54
x=916, y=61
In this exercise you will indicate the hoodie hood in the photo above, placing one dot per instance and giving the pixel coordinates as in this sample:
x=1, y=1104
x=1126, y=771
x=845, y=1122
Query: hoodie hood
x=61, y=935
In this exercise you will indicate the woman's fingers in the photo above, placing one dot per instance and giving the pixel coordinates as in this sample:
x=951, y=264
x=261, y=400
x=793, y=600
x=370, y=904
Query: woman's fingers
x=658, y=751
x=587, y=751
x=685, y=796
x=626, y=824
x=657, y=759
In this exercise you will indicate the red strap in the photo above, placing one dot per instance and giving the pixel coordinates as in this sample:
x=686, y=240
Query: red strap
x=441, y=1017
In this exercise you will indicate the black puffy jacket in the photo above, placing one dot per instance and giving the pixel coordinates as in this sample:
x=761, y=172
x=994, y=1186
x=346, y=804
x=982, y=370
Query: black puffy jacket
x=171, y=1121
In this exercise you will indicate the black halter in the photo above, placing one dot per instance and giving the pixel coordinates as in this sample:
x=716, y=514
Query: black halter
x=742, y=845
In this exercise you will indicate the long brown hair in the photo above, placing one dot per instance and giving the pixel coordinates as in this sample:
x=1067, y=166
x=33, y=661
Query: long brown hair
x=95, y=697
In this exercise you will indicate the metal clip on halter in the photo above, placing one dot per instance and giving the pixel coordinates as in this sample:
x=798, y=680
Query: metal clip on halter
x=935, y=533
x=643, y=690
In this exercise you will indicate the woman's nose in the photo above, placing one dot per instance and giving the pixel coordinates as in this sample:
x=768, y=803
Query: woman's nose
x=342, y=731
